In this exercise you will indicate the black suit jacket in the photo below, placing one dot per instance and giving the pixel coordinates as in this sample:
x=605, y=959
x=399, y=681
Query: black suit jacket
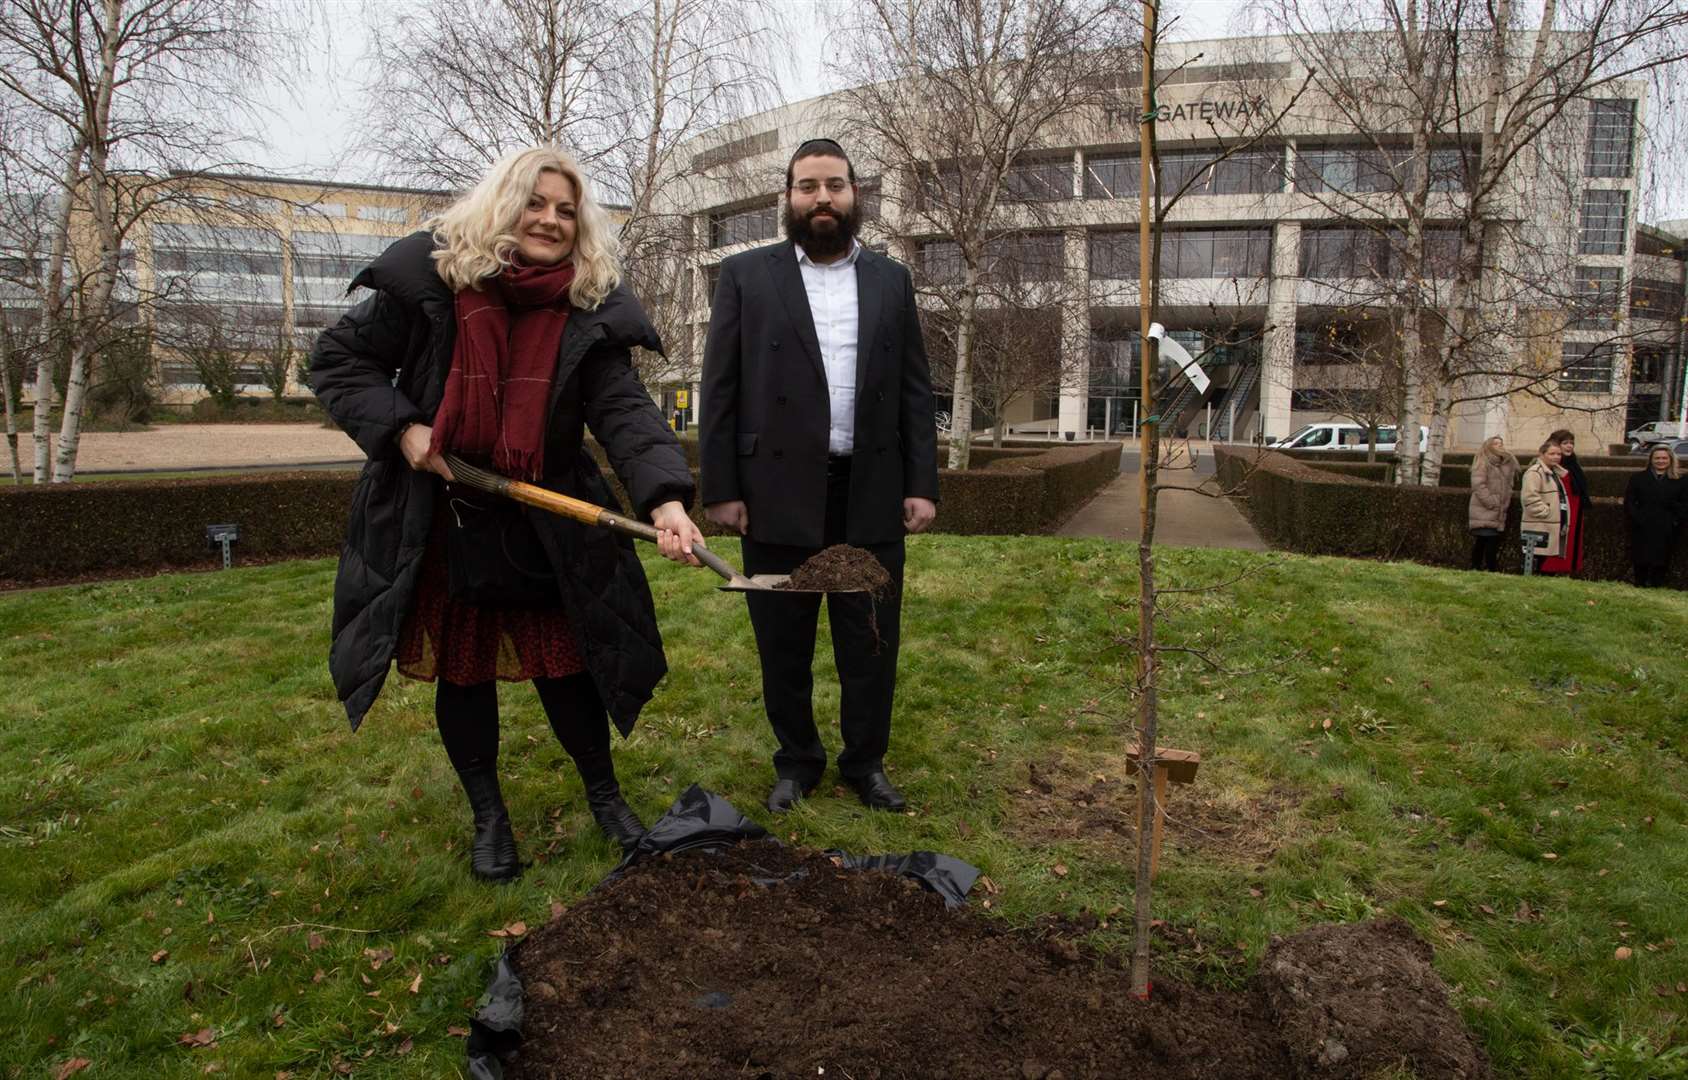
x=764, y=414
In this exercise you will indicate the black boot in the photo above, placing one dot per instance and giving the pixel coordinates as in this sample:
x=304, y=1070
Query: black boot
x=492, y=857
x=582, y=726
x=614, y=817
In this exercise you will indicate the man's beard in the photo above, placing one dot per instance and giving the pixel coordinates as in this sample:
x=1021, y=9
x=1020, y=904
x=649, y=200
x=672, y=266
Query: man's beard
x=831, y=239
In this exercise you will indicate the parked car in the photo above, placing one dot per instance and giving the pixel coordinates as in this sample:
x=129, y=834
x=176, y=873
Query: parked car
x=1337, y=435
x=1656, y=431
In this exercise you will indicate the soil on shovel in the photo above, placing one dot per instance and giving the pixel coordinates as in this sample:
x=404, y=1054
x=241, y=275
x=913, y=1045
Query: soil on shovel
x=841, y=568
x=771, y=962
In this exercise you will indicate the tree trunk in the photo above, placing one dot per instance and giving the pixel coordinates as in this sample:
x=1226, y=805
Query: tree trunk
x=1406, y=415
x=43, y=415
x=6, y=390
x=1441, y=409
x=96, y=314
x=961, y=400
x=1148, y=703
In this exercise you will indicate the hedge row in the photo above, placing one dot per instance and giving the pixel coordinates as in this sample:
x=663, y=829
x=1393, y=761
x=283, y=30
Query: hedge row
x=1318, y=512
x=1602, y=482
x=1461, y=458
x=59, y=531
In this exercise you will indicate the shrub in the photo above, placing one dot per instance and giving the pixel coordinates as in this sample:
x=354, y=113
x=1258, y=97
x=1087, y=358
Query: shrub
x=1323, y=512
x=139, y=526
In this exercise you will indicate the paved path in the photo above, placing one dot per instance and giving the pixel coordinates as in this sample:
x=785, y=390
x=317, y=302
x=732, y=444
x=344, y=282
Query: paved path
x=1183, y=519
x=207, y=446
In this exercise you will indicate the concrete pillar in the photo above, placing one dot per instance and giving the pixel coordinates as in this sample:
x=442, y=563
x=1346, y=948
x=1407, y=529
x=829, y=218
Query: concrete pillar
x=1277, y=373
x=1074, y=405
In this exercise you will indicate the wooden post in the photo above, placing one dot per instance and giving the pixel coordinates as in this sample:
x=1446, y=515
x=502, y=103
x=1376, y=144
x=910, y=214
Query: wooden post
x=1171, y=766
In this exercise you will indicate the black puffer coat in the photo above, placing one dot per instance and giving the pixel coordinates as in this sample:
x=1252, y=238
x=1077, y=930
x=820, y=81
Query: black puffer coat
x=383, y=366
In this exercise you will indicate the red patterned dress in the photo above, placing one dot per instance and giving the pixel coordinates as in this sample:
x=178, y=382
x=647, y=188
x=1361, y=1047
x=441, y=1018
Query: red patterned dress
x=467, y=644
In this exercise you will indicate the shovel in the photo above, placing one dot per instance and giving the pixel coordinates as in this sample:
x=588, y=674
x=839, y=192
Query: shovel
x=589, y=514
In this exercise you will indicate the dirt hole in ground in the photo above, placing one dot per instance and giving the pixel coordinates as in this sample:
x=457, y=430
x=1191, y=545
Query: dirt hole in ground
x=1094, y=804
x=771, y=962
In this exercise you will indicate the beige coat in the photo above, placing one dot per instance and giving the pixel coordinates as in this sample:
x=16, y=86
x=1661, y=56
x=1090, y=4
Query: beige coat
x=1541, y=493
x=1491, y=490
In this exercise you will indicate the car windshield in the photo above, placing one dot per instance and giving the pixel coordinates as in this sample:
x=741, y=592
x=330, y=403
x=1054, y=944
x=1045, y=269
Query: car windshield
x=1297, y=433
x=1314, y=437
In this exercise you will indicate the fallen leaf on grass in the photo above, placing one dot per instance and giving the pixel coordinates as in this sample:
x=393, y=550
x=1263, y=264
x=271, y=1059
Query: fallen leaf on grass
x=160, y=956
x=1438, y=903
x=1485, y=909
x=377, y=957
x=71, y=1067
x=457, y=1032
x=314, y=941
x=202, y=1037
x=1059, y=869
x=1622, y=952
x=404, y=1047
x=556, y=909
x=1549, y=856
x=515, y=929
x=416, y=984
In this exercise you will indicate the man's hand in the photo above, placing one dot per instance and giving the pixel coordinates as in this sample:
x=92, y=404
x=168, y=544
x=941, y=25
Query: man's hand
x=413, y=444
x=918, y=513
x=676, y=533
x=730, y=515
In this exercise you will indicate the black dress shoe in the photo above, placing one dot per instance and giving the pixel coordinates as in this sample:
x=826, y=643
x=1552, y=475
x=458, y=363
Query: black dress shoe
x=617, y=820
x=877, y=792
x=786, y=794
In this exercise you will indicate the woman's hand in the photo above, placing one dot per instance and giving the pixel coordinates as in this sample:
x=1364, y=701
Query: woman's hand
x=676, y=533
x=413, y=444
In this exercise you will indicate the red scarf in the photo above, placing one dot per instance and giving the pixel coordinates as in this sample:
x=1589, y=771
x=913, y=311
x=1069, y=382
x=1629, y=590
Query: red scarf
x=508, y=334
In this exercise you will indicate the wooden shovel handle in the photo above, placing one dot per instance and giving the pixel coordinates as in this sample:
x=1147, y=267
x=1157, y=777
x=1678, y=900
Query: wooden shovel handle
x=574, y=509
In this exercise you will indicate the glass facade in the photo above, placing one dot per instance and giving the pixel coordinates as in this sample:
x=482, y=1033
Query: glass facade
x=1586, y=368
x=1611, y=138
x=745, y=226
x=1605, y=218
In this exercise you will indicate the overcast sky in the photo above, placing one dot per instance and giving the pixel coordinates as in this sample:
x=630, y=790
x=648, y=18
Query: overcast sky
x=318, y=117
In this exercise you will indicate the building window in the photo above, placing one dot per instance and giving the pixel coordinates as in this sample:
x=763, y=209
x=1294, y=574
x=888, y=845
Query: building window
x=870, y=197
x=1026, y=257
x=1330, y=254
x=1599, y=293
x=744, y=226
x=1031, y=180
x=938, y=261
x=324, y=263
x=396, y=214
x=1356, y=170
x=1655, y=298
x=1112, y=176
x=1611, y=138
x=1605, y=214
x=220, y=262
x=1651, y=364
x=711, y=278
x=1585, y=368
x=1113, y=256
x=1252, y=172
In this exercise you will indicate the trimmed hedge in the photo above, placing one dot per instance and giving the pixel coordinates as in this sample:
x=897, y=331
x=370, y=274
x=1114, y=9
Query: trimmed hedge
x=56, y=532
x=1462, y=458
x=1603, y=482
x=1321, y=512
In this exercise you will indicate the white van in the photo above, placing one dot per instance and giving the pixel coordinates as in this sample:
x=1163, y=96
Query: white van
x=1339, y=435
x=1657, y=431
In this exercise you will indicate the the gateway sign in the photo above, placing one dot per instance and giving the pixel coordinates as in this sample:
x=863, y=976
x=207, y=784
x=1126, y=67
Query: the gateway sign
x=1233, y=111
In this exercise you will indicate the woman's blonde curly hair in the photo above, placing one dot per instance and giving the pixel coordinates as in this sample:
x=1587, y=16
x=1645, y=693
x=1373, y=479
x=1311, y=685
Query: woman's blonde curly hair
x=476, y=234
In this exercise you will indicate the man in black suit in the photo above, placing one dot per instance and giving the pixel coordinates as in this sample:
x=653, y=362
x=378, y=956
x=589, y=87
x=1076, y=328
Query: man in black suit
x=816, y=429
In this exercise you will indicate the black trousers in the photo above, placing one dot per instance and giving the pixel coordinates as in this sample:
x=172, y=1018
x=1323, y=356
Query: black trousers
x=1651, y=577
x=864, y=647
x=1485, y=551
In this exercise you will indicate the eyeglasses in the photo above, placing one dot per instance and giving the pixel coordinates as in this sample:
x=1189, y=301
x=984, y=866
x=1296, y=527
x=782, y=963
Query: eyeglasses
x=834, y=186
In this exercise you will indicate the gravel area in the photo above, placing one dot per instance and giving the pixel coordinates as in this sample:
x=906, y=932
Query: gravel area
x=208, y=446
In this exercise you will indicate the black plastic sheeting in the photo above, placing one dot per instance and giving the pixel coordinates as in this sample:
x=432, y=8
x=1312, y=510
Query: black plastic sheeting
x=698, y=819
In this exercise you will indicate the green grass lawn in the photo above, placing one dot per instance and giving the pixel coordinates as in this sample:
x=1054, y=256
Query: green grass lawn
x=193, y=842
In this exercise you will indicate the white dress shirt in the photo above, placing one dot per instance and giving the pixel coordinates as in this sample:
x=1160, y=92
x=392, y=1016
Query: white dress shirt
x=832, y=301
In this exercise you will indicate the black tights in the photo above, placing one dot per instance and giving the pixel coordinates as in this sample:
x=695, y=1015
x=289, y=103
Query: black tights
x=468, y=721
x=1485, y=552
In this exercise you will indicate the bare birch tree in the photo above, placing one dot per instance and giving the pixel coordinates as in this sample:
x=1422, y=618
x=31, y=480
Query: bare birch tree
x=131, y=99
x=1462, y=112
x=619, y=85
x=955, y=96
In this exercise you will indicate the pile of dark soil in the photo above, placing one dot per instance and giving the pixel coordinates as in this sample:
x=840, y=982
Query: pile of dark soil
x=771, y=962
x=841, y=568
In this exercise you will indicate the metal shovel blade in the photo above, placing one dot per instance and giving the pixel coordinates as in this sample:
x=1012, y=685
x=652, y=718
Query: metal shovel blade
x=773, y=582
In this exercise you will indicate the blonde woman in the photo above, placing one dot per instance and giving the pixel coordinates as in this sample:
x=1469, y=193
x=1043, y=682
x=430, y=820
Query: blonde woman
x=1546, y=504
x=502, y=334
x=1493, y=472
x=1656, y=504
